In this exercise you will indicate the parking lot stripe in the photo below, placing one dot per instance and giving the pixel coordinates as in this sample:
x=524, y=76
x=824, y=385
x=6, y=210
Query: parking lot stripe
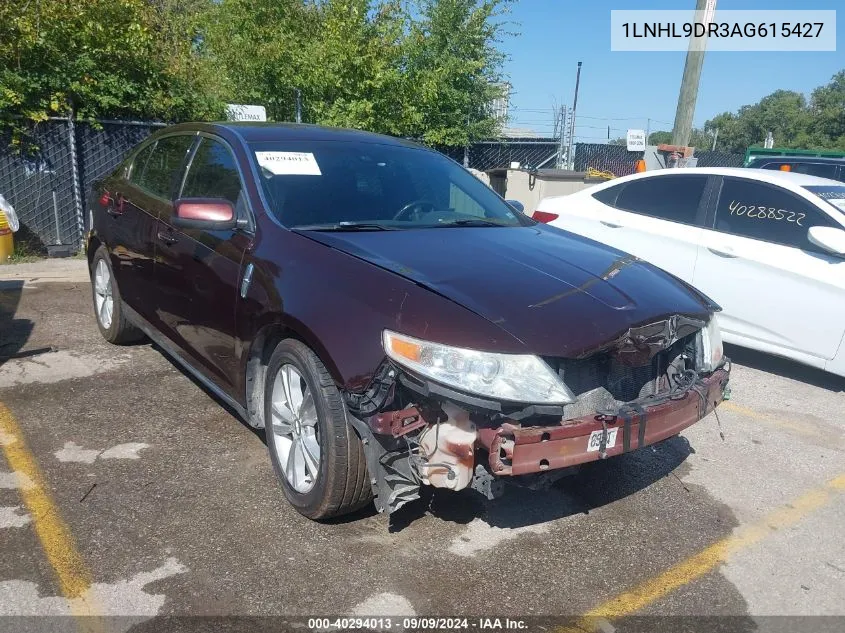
x=788, y=425
x=648, y=592
x=55, y=536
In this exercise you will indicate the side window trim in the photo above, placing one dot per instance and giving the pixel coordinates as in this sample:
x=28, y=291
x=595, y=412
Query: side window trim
x=712, y=192
x=129, y=176
x=250, y=219
x=192, y=152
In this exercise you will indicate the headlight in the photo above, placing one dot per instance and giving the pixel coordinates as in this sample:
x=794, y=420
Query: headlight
x=518, y=378
x=710, y=349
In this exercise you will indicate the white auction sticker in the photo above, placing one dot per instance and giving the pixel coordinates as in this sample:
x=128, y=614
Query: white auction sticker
x=289, y=163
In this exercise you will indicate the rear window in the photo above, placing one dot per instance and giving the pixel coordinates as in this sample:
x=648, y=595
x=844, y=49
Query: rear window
x=332, y=182
x=835, y=196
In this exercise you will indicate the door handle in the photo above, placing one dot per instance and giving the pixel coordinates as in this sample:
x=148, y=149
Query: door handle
x=611, y=224
x=167, y=237
x=725, y=251
x=115, y=207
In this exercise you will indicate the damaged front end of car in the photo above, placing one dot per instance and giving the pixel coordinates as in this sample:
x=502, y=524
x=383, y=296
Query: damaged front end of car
x=455, y=418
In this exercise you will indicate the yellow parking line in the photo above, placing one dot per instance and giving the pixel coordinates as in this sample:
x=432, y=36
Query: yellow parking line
x=708, y=559
x=789, y=425
x=56, y=539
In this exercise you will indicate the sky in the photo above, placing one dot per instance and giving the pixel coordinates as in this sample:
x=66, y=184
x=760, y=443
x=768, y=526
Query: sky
x=624, y=89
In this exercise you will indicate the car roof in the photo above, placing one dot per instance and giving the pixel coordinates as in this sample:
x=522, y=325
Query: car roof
x=783, y=178
x=257, y=132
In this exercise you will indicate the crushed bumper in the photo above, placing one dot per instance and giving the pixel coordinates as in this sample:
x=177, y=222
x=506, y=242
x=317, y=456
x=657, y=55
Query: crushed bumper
x=517, y=449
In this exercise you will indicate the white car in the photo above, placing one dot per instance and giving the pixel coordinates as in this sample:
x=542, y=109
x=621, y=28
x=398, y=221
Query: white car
x=768, y=246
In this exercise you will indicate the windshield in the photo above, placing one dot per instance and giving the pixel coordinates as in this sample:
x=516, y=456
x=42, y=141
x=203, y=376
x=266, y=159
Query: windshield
x=336, y=185
x=833, y=195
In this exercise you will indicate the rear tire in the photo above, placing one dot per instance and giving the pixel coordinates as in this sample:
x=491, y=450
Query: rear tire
x=303, y=410
x=108, y=306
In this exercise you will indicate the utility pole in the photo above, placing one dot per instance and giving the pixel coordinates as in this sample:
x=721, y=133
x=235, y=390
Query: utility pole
x=569, y=157
x=647, y=130
x=704, y=10
x=715, y=138
x=298, y=106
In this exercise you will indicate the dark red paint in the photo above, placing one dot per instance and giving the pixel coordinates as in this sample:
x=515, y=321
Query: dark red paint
x=532, y=289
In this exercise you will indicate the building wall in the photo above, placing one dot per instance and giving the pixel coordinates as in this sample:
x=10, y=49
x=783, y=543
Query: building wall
x=518, y=187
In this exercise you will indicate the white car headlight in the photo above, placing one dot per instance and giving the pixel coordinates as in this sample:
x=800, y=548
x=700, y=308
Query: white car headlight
x=513, y=377
x=710, y=350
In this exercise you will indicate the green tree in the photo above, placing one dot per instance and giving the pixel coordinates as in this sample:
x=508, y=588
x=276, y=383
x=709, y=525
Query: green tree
x=261, y=50
x=454, y=67
x=784, y=113
x=355, y=77
x=827, y=109
x=103, y=58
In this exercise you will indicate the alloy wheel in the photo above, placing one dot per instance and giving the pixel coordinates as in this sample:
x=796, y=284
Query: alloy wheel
x=293, y=429
x=103, y=298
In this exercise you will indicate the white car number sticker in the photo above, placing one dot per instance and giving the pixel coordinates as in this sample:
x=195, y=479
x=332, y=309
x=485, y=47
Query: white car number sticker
x=289, y=163
x=595, y=440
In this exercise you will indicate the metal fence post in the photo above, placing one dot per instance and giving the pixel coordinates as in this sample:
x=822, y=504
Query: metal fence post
x=74, y=163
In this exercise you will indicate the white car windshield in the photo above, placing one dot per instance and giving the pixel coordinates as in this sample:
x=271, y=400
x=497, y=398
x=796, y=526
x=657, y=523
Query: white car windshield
x=834, y=195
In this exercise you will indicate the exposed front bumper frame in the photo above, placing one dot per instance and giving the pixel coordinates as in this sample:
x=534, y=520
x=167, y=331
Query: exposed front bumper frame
x=515, y=449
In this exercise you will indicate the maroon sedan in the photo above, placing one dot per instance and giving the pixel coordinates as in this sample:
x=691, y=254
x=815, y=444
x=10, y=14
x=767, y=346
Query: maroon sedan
x=386, y=317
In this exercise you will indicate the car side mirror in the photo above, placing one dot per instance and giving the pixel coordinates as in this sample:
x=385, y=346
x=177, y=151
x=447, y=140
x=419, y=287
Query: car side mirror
x=829, y=238
x=211, y=214
x=516, y=204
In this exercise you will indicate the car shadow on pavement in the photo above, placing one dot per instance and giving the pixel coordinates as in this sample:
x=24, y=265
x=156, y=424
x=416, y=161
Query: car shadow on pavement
x=14, y=333
x=199, y=385
x=594, y=485
x=785, y=368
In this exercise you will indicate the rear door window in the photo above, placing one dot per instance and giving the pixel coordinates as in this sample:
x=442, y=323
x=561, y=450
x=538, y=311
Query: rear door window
x=765, y=212
x=673, y=197
x=165, y=165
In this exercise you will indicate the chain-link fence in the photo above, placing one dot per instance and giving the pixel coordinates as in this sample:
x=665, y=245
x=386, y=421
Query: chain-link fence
x=49, y=186
x=613, y=158
x=487, y=155
x=620, y=162
x=47, y=183
x=707, y=158
x=40, y=184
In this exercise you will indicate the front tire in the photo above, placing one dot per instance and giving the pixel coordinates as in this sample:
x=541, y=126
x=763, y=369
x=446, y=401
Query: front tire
x=108, y=306
x=317, y=456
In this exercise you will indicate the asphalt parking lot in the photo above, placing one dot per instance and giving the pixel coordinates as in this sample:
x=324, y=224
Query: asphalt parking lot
x=127, y=490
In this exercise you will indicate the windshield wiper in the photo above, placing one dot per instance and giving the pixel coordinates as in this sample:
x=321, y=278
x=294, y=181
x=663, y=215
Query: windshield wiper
x=471, y=222
x=345, y=226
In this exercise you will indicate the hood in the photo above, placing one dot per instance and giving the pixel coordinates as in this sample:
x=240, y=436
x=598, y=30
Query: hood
x=558, y=293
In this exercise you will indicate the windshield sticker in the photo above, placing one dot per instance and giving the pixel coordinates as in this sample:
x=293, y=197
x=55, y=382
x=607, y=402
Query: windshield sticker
x=765, y=213
x=289, y=163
